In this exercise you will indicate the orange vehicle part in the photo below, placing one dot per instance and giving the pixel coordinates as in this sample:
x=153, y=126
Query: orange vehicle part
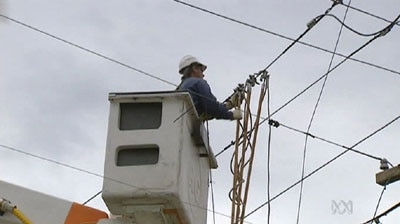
x=80, y=214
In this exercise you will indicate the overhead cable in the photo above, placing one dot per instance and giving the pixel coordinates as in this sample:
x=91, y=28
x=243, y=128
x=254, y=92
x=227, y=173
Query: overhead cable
x=310, y=25
x=269, y=158
x=383, y=32
x=312, y=118
x=324, y=165
x=278, y=124
x=104, y=57
x=376, y=219
x=368, y=13
x=98, y=175
x=379, y=202
x=351, y=29
x=170, y=83
x=285, y=37
x=88, y=50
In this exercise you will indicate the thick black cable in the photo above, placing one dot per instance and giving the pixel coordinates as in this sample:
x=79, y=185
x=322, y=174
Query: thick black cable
x=309, y=27
x=383, y=32
x=368, y=13
x=165, y=81
x=322, y=166
x=285, y=37
x=302, y=92
x=314, y=22
x=313, y=115
x=351, y=29
x=88, y=50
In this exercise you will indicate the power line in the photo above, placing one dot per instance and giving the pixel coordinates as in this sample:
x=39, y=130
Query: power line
x=104, y=57
x=97, y=175
x=278, y=124
x=351, y=29
x=313, y=115
x=88, y=50
x=56, y=162
x=324, y=165
x=285, y=37
x=170, y=83
x=368, y=13
x=383, y=32
x=309, y=27
x=269, y=157
x=383, y=214
x=379, y=202
x=165, y=81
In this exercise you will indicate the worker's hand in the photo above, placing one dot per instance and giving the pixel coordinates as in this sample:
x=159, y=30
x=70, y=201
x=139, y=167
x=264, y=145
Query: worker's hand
x=228, y=105
x=234, y=101
x=237, y=114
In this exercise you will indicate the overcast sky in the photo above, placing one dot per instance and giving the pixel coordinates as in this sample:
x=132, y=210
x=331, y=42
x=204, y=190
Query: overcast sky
x=54, y=97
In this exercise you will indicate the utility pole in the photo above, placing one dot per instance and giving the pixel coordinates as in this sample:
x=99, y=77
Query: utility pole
x=388, y=176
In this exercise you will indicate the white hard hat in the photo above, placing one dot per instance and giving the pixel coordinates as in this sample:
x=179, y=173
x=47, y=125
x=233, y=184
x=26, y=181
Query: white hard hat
x=188, y=60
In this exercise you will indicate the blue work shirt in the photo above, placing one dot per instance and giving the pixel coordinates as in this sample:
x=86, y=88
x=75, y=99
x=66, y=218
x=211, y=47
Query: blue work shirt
x=204, y=101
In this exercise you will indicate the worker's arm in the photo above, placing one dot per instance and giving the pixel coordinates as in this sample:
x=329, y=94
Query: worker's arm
x=209, y=103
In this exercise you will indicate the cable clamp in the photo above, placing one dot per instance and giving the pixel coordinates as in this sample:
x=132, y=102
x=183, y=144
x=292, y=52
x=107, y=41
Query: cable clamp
x=264, y=75
x=239, y=89
x=252, y=80
x=273, y=123
x=337, y=2
x=312, y=23
x=385, y=31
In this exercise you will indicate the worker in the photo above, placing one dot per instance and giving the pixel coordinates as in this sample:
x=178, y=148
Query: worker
x=207, y=106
